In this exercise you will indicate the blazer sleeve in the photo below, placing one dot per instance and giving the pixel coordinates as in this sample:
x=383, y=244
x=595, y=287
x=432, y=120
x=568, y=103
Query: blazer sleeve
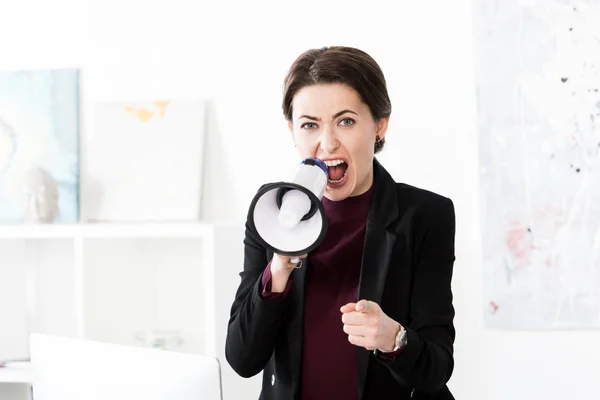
x=254, y=321
x=427, y=362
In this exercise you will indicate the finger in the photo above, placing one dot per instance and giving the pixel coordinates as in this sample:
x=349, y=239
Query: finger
x=282, y=263
x=361, y=341
x=286, y=257
x=297, y=258
x=350, y=307
x=356, y=330
x=354, y=318
x=356, y=340
x=363, y=306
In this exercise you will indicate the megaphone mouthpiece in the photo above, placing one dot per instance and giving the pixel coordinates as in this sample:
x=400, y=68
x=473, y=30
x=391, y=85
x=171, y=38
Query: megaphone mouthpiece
x=318, y=163
x=294, y=206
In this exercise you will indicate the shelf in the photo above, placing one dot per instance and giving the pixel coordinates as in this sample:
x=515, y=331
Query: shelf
x=107, y=230
x=77, y=280
x=16, y=372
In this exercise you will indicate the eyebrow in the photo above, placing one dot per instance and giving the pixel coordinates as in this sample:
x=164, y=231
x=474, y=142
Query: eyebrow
x=334, y=117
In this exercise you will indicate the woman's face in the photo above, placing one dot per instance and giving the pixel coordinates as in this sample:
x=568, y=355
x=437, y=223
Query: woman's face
x=331, y=122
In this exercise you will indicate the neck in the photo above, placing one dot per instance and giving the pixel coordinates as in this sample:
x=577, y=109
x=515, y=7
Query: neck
x=350, y=208
x=364, y=185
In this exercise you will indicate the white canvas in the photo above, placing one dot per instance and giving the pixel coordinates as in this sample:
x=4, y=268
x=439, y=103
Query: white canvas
x=144, y=161
x=538, y=81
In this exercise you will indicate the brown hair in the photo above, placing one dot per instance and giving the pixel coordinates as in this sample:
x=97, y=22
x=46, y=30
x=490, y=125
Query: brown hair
x=345, y=65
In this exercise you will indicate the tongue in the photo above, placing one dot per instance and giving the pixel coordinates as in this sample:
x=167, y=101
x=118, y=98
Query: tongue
x=336, y=173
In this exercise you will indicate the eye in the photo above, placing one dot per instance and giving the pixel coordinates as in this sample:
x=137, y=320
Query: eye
x=308, y=125
x=347, y=122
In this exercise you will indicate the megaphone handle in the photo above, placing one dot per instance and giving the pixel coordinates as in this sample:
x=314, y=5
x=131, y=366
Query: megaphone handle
x=296, y=262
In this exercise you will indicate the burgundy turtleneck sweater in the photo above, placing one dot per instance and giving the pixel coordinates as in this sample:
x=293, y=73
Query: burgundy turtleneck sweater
x=329, y=359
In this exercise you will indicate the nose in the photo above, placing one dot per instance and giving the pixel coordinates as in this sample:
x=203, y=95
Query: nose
x=329, y=141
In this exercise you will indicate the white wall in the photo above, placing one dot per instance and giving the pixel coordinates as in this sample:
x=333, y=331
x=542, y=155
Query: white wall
x=237, y=53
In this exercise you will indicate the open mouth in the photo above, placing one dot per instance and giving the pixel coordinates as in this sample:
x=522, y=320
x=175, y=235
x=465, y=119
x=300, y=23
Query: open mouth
x=338, y=170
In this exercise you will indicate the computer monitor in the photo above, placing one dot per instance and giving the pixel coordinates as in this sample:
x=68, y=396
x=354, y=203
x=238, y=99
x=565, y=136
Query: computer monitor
x=76, y=369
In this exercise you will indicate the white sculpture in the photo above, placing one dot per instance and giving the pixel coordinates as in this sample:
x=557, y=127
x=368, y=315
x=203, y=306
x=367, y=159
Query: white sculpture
x=39, y=196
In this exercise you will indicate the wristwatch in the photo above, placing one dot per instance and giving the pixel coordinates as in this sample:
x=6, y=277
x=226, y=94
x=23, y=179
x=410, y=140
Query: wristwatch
x=400, y=342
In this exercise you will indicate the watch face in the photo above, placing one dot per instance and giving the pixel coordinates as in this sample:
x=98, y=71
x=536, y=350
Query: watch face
x=401, y=338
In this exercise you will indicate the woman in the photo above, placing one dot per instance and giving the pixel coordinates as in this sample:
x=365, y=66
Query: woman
x=369, y=314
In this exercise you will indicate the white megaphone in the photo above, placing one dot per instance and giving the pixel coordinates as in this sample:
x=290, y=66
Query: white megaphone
x=289, y=217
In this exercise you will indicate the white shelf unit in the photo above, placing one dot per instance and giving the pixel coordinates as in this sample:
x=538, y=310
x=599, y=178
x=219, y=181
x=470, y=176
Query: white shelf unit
x=108, y=230
x=109, y=281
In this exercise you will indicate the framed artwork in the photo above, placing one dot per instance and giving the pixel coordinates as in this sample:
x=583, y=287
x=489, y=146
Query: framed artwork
x=39, y=146
x=538, y=82
x=144, y=161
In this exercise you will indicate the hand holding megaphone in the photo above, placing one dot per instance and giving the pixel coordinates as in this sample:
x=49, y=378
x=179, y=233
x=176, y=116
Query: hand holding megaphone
x=289, y=217
x=281, y=268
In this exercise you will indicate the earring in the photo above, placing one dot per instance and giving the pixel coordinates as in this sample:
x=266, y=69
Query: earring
x=377, y=139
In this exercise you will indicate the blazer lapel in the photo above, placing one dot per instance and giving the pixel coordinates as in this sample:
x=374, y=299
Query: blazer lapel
x=295, y=330
x=377, y=253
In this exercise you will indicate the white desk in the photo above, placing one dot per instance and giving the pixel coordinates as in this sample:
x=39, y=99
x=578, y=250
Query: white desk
x=19, y=373
x=16, y=372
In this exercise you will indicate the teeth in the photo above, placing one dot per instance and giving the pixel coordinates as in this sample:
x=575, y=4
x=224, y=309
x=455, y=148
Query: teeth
x=333, y=163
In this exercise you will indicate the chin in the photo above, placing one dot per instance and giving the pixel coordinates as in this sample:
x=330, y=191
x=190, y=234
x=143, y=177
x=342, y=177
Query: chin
x=337, y=192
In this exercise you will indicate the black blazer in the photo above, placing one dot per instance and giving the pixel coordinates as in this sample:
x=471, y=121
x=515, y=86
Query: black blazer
x=406, y=268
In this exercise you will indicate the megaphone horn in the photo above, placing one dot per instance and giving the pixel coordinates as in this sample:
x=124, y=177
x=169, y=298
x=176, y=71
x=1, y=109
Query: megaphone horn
x=289, y=217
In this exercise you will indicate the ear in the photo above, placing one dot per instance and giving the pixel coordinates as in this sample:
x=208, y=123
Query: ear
x=382, y=126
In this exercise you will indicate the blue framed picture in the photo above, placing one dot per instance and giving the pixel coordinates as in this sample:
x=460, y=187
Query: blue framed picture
x=39, y=146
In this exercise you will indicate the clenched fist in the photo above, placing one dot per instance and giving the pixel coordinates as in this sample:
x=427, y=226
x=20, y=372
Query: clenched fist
x=367, y=326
